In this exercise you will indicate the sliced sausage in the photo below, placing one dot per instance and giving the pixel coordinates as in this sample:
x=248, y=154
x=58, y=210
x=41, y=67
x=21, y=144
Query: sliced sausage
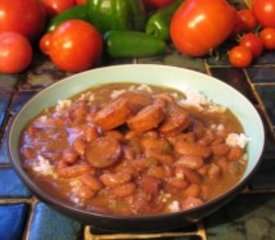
x=113, y=115
x=137, y=100
x=176, y=121
x=148, y=118
x=192, y=149
x=103, y=152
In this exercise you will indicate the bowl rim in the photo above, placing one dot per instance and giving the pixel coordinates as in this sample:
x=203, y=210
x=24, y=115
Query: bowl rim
x=57, y=203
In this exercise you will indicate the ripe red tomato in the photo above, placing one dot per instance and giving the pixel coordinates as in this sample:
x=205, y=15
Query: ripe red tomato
x=23, y=16
x=15, y=52
x=75, y=46
x=248, y=19
x=54, y=7
x=253, y=42
x=44, y=43
x=154, y=4
x=268, y=37
x=264, y=11
x=79, y=2
x=240, y=56
x=197, y=26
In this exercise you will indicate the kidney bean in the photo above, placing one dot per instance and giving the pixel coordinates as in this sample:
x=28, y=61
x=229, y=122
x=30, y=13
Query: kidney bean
x=158, y=172
x=85, y=192
x=128, y=153
x=214, y=171
x=178, y=183
x=149, y=185
x=91, y=181
x=199, y=129
x=115, y=134
x=124, y=190
x=235, y=153
x=113, y=180
x=218, y=140
x=192, y=149
x=193, y=190
x=79, y=146
x=103, y=152
x=130, y=135
x=113, y=114
x=147, y=119
x=190, y=202
x=91, y=134
x=163, y=158
x=220, y=149
x=191, y=175
x=203, y=170
x=69, y=156
x=223, y=164
x=73, y=171
x=28, y=153
x=191, y=162
x=152, y=143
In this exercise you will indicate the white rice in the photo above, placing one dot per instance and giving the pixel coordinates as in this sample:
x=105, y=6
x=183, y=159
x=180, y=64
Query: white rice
x=174, y=206
x=237, y=140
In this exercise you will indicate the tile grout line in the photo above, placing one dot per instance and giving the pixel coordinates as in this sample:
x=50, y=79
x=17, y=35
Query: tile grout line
x=261, y=104
x=26, y=234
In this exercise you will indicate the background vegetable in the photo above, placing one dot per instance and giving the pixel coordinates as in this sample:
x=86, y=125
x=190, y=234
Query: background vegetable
x=240, y=56
x=116, y=14
x=23, y=16
x=75, y=46
x=54, y=7
x=158, y=24
x=197, y=26
x=76, y=12
x=154, y=4
x=264, y=11
x=15, y=52
x=253, y=42
x=268, y=37
x=133, y=44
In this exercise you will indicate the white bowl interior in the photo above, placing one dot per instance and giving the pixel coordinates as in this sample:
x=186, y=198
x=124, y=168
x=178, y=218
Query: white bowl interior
x=173, y=77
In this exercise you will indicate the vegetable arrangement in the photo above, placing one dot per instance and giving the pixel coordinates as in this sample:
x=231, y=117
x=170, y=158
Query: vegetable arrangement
x=75, y=33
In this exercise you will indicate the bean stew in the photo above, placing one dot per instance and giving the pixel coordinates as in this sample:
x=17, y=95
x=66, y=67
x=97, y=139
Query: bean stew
x=128, y=149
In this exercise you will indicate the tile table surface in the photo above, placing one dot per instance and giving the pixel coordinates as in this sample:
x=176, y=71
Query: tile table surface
x=251, y=215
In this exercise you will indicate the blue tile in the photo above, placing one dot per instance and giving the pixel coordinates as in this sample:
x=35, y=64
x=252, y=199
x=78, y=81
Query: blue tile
x=248, y=217
x=47, y=224
x=4, y=155
x=11, y=186
x=267, y=94
x=8, y=83
x=261, y=74
x=12, y=221
x=268, y=57
x=4, y=103
x=236, y=78
x=20, y=99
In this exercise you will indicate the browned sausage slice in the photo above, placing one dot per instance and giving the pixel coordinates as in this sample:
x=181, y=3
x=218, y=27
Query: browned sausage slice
x=137, y=100
x=147, y=119
x=176, y=121
x=103, y=152
x=113, y=114
x=193, y=149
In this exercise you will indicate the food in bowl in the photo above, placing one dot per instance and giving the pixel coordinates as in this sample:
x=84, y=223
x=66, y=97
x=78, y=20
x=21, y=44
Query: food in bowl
x=130, y=149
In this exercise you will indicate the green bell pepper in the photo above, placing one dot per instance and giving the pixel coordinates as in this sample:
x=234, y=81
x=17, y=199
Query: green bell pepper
x=158, y=25
x=117, y=14
x=76, y=12
x=123, y=44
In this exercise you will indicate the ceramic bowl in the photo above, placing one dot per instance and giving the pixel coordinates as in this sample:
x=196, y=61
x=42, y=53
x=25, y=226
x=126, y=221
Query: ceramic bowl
x=159, y=75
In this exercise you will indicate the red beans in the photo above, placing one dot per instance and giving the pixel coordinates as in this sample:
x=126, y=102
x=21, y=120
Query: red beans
x=132, y=152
